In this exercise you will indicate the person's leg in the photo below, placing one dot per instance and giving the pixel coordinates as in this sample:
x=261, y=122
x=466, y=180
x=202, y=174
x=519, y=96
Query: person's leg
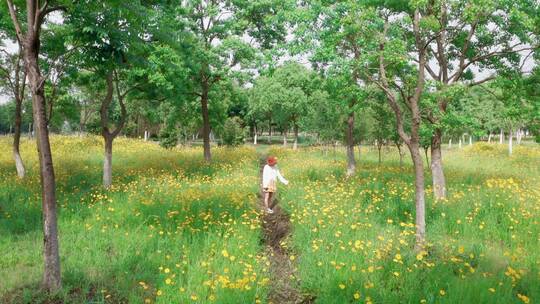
x=266, y=199
x=269, y=202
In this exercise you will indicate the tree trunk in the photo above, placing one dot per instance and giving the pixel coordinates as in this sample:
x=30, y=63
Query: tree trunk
x=51, y=275
x=412, y=141
x=501, y=137
x=351, y=162
x=379, y=146
x=400, y=155
x=518, y=136
x=80, y=129
x=489, y=137
x=470, y=140
x=30, y=130
x=270, y=131
x=206, y=122
x=284, y=139
x=108, y=135
x=255, y=135
x=17, y=138
x=295, y=144
x=107, y=162
x=427, y=157
x=419, y=196
x=450, y=143
x=459, y=143
x=437, y=172
x=359, y=152
x=510, y=135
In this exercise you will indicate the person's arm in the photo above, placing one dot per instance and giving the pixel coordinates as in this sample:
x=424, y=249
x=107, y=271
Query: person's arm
x=281, y=178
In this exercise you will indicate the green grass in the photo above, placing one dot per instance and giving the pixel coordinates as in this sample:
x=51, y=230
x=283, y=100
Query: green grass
x=358, y=233
x=172, y=229
x=176, y=230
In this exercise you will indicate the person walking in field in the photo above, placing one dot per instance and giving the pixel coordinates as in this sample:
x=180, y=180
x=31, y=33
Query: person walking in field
x=270, y=175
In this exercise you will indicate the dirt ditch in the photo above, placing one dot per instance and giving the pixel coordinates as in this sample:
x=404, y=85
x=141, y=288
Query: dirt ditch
x=284, y=285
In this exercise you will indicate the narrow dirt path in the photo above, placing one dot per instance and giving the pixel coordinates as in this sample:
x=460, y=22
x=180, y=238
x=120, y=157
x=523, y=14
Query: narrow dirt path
x=276, y=228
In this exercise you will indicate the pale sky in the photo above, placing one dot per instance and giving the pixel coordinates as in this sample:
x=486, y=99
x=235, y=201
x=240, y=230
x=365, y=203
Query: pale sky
x=529, y=64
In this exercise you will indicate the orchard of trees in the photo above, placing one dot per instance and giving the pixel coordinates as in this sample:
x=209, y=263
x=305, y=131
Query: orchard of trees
x=416, y=75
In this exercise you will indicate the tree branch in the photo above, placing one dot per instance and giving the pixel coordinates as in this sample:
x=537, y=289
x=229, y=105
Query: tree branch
x=457, y=75
x=482, y=81
x=466, y=45
x=386, y=89
x=13, y=14
x=104, y=114
x=45, y=10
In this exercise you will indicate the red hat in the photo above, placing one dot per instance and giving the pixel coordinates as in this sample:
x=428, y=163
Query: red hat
x=272, y=160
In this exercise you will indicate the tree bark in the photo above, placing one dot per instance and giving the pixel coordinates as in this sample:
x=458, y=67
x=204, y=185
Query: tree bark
x=107, y=162
x=255, y=135
x=108, y=135
x=206, y=121
x=379, y=147
x=501, y=137
x=470, y=140
x=351, y=162
x=51, y=275
x=510, y=135
x=412, y=139
x=17, y=139
x=17, y=86
x=295, y=144
x=400, y=155
x=437, y=172
x=419, y=195
x=489, y=137
x=270, y=131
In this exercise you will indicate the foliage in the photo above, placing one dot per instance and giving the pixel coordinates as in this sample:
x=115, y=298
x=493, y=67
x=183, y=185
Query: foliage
x=233, y=133
x=170, y=208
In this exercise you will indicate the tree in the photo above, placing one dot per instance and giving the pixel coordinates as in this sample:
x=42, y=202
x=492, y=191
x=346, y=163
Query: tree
x=533, y=92
x=471, y=35
x=107, y=40
x=264, y=96
x=233, y=132
x=285, y=96
x=383, y=126
x=29, y=41
x=324, y=118
x=332, y=33
x=396, y=74
x=515, y=105
x=220, y=52
x=13, y=76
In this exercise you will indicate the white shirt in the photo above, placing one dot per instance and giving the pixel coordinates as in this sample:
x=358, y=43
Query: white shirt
x=270, y=174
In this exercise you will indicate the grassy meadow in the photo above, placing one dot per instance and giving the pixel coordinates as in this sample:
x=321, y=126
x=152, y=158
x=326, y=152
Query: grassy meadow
x=176, y=230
